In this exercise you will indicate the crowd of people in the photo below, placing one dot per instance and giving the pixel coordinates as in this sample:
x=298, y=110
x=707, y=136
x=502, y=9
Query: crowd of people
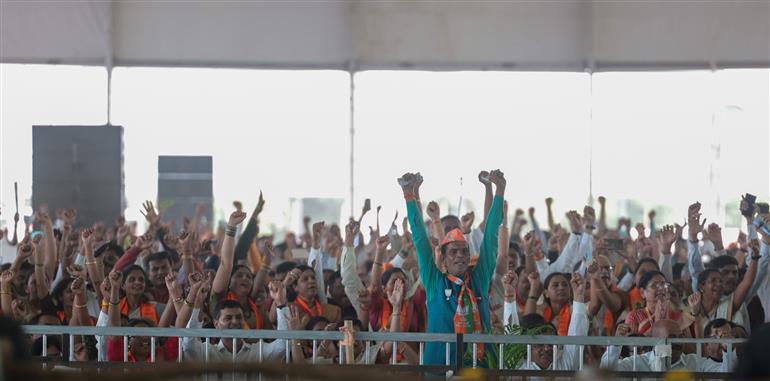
x=437, y=273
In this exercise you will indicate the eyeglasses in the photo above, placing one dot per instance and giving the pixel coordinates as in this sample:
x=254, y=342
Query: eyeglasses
x=659, y=286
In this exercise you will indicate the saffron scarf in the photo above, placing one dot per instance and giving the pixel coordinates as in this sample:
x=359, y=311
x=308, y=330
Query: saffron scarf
x=302, y=305
x=146, y=310
x=562, y=324
x=467, y=318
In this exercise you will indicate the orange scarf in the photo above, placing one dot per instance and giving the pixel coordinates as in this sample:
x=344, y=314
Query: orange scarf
x=467, y=318
x=385, y=318
x=318, y=310
x=635, y=299
x=146, y=310
x=565, y=314
x=258, y=323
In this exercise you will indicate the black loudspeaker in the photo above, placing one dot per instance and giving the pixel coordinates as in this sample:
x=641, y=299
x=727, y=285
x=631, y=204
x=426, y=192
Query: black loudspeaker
x=79, y=167
x=184, y=182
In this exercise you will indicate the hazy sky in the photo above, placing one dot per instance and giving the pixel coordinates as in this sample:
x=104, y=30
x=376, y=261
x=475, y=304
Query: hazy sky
x=644, y=136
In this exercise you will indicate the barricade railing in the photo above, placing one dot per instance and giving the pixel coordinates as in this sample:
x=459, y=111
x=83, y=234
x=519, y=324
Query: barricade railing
x=449, y=340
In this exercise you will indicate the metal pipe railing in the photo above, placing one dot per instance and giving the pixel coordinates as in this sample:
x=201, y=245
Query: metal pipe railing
x=448, y=339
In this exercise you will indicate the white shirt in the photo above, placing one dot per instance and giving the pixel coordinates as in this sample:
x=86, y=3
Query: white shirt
x=569, y=358
x=648, y=362
x=195, y=350
x=570, y=256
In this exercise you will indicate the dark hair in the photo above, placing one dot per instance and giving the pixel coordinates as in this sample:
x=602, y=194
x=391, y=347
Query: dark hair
x=677, y=270
x=285, y=267
x=132, y=268
x=334, y=276
x=58, y=292
x=109, y=246
x=11, y=330
x=315, y=320
x=646, y=260
x=647, y=277
x=237, y=267
x=53, y=341
x=159, y=256
x=722, y=261
x=135, y=322
x=534, y=321
x=225, y=304
x=704, y=275
x=388, y=273
x=753, y=364
x=716, y=323
x=553, y=275
x=450, y=222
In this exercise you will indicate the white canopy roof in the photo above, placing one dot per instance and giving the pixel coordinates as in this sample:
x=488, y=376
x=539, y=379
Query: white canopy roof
x=567, y=35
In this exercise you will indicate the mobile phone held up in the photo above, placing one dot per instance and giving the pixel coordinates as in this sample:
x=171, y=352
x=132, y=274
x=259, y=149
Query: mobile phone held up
x=764, y=209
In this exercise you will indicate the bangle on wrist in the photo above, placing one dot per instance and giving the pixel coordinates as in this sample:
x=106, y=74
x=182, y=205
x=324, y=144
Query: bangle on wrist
x=512, y=296
x=79, y=305
x=93, y=262
x=114, y=303
x=755, y=257
x=189, y=303
x=278, y=307
x=178, y=300
x=5, y=293
x=532, y=297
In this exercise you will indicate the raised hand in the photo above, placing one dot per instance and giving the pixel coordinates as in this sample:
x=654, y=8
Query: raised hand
x=629, y=249
x=105, y=288
x=639, y=230
x=549, y=202
x=510, y=280
x=364, y=299
x=351, y=231
x=575, y=222
x=694, y=302
x=578, y=287
x=116, y=279
x=667, y=236
x=531, y=212
x=318, y=228
x=593, y=271
x=396, y=296
x=236, y=218
x=69, y=215
x=295, y=323
x=381, y=244
x=277, y=292
x=534, y=283
x=498, y=178
x=467, y=222
x=714, y=233
x=260, y=206
x=602, y=201
x=78, y=286
x=291, y=277
x=149, y=213
x=7, y=277
x=433, y=211
x=693, y=220
x=623, y=330
x=43, y=218
x=484, y=178
x=172, y=284
x=76, y=271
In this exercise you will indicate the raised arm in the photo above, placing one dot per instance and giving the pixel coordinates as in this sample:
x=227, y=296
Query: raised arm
x=226, y=256
x=6, y=292
x=41, y=278
x=250, y=232
x=381, y=246
x=94, y=267
x=429, y=273
x=48, y=247
x=128, y=258
x=602, y=224
x=503, y=246
x=199, y=290
x=80, y=315
x=436, y=226
x=535, y=290
x=743, y=288
x=694, y=262
x=488, y=252
x=484, y=180
x=116, y=281
x=350, y=279
x=549, y=207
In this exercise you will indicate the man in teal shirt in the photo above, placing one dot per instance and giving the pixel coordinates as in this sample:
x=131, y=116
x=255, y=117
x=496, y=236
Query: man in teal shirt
x=457, y=300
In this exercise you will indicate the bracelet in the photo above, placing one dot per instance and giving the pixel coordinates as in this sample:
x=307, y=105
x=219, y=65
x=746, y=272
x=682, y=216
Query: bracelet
x=178, y=300
x=395, y=313
x=115, y=303
x=39, y=264
x=509, y=296
x=533, y=297
x=79, y=306
x=278, y=307
x=5, y=293
x=755, y=257
x=105, y=304
x=187, y=302
x=91, y=262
